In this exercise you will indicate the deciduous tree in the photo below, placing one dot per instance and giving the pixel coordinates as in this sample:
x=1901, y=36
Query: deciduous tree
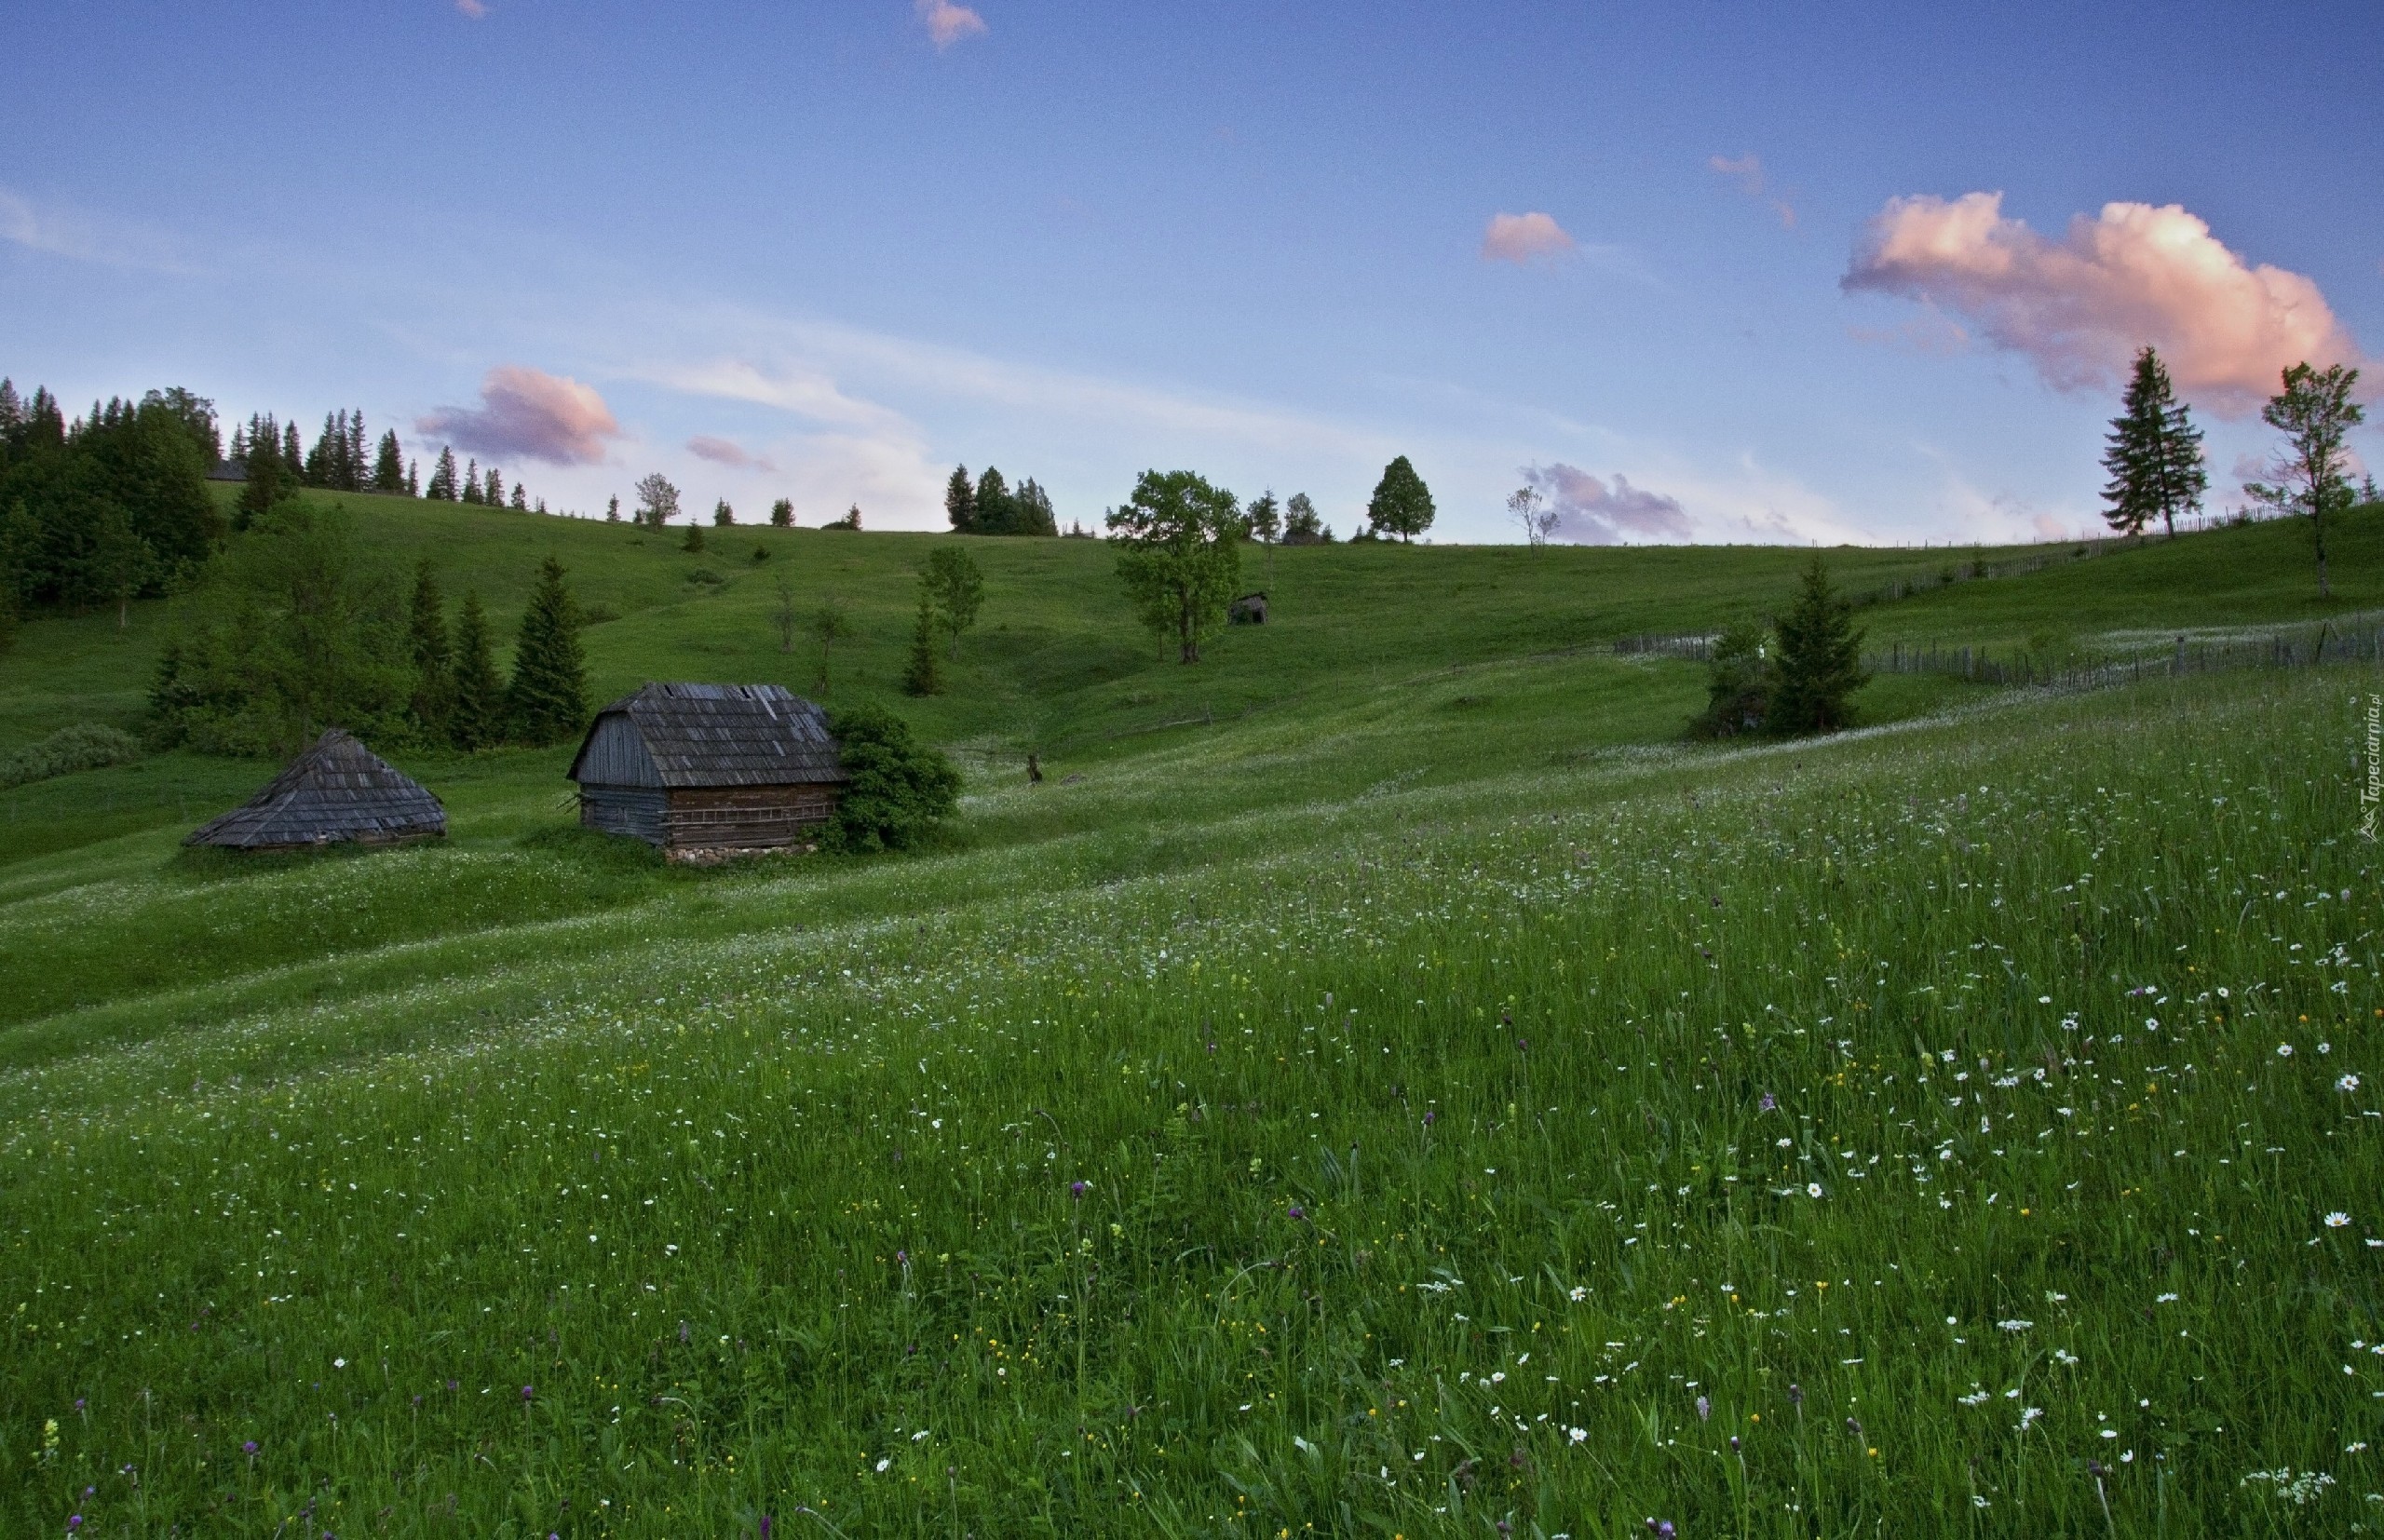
x=2314, y=411
x=952, y=581
x=1179, y=555
x=1401, y=504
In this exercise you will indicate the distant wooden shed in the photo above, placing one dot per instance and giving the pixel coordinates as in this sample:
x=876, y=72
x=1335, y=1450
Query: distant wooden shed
x=337, y=792
x=1249, y=610
x=710, y=768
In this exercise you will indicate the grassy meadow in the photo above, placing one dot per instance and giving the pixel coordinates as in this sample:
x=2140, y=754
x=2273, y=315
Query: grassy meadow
x=1384, y=1081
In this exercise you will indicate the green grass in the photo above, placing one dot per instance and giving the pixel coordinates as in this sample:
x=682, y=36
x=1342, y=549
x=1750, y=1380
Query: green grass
x=1409, y=1015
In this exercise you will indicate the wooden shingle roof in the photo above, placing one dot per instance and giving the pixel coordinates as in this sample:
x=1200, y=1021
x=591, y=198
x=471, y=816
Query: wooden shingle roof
x=336, y=792
x=709, y=734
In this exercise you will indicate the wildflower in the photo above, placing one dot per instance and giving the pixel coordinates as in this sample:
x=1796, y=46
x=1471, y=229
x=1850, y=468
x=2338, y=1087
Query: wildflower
x=527, y=1393
x=1854, y=1427
x=1577, y=1293
x=1812, y=1189
x=74, y=1522
x=1734, y=1443
x=883, y=1464
x=1661, y=1529
x=1299, y=1212
x=1431, y=1115
x=2285, y=1051
x=1576, y=1435
x=2014, y=1325
x=2347, y=1084
x=2029, y=1414
x=2165, y=1299
x=1768, y=1103
x=2336, y=1219
x=1705, y=1408
x=339, y=1363
x=1796, y=1395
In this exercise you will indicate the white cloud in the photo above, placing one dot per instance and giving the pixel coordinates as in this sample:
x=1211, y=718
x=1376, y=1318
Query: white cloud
x=67, y=233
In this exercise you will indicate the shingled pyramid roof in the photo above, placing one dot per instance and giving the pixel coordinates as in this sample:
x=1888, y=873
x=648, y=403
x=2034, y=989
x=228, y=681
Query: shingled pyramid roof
x=709, y=735
x=337, y=790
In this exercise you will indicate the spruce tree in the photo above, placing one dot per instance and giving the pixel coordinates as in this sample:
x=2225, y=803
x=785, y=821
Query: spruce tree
x=782, y=514
x=476, y=711
x=960, y=501
x=613, y=510
x=995, y=514
x=722, y=516
x=389, y=466
x=521, y=503
x=1820, y=665
x=547, y=700
x=492, y=488
x=434, y=659
x=292, y=457
x=473, y=481
x=2153, y=455
x=923, y=672
x=694, y=540
x=413, y=480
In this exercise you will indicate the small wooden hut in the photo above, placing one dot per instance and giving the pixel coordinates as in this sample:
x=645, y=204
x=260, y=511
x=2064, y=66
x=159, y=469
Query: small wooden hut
x=707, y=769
x=1249, y=610
x=337, y=792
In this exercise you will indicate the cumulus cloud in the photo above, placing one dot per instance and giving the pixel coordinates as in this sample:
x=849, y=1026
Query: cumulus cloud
x=727, y=452
x=529, y=413
x=1520, y=237
x=1747, y=172
x=1590, y=513
x=2081, y=306
x=948, y=23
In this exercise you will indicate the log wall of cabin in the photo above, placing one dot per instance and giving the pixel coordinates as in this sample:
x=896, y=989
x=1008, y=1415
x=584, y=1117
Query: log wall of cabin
x=642, y=812
x=746, y=817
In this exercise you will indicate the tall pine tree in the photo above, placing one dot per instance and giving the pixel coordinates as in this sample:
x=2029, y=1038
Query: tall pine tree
x=923, y=672
x=1820, y=665
x=2153, y=455
x=547, y=700
x=476, y=712
x=960, y=501
x=443, y=486
x=389, y=466
x=434, y=659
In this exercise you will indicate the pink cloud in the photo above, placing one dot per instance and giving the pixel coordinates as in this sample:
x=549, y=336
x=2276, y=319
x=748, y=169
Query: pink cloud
x=529, y=413
x=1520, y=237
x=1589, y=513
x=1747, y=172
x=472, y=8
x=726, y=452
x=2079, y=307
x=948, y=23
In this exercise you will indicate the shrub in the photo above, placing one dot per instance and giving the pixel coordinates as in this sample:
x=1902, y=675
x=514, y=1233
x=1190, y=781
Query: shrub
x=84, y=747
x=1738, y=690
x=900, y=791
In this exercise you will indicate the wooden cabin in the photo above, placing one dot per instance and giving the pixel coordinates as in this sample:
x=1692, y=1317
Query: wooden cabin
x=707, y=769
x=1249, y=610
x=337, y=792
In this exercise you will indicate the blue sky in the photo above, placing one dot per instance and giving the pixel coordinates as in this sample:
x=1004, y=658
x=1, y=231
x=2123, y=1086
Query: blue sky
x=1250, y=240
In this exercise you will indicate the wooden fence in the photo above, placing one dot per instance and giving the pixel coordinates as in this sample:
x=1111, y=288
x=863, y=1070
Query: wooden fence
x=2018, y=665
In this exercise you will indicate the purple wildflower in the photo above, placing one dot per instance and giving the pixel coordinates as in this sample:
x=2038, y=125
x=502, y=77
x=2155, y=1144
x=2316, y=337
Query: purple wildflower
x=1796, y=1394
x=1075, y=1189
x=1734, y=1443
x=1769, y=1104
x=249, y=1448
x=1430, y=1115
x=74, y=1522
x=527, y=1392
x=1299, y=1212
x=1704, y=1410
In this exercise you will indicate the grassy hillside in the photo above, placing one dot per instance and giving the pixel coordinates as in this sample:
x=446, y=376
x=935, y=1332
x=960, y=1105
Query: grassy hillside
x=1383, y=1082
